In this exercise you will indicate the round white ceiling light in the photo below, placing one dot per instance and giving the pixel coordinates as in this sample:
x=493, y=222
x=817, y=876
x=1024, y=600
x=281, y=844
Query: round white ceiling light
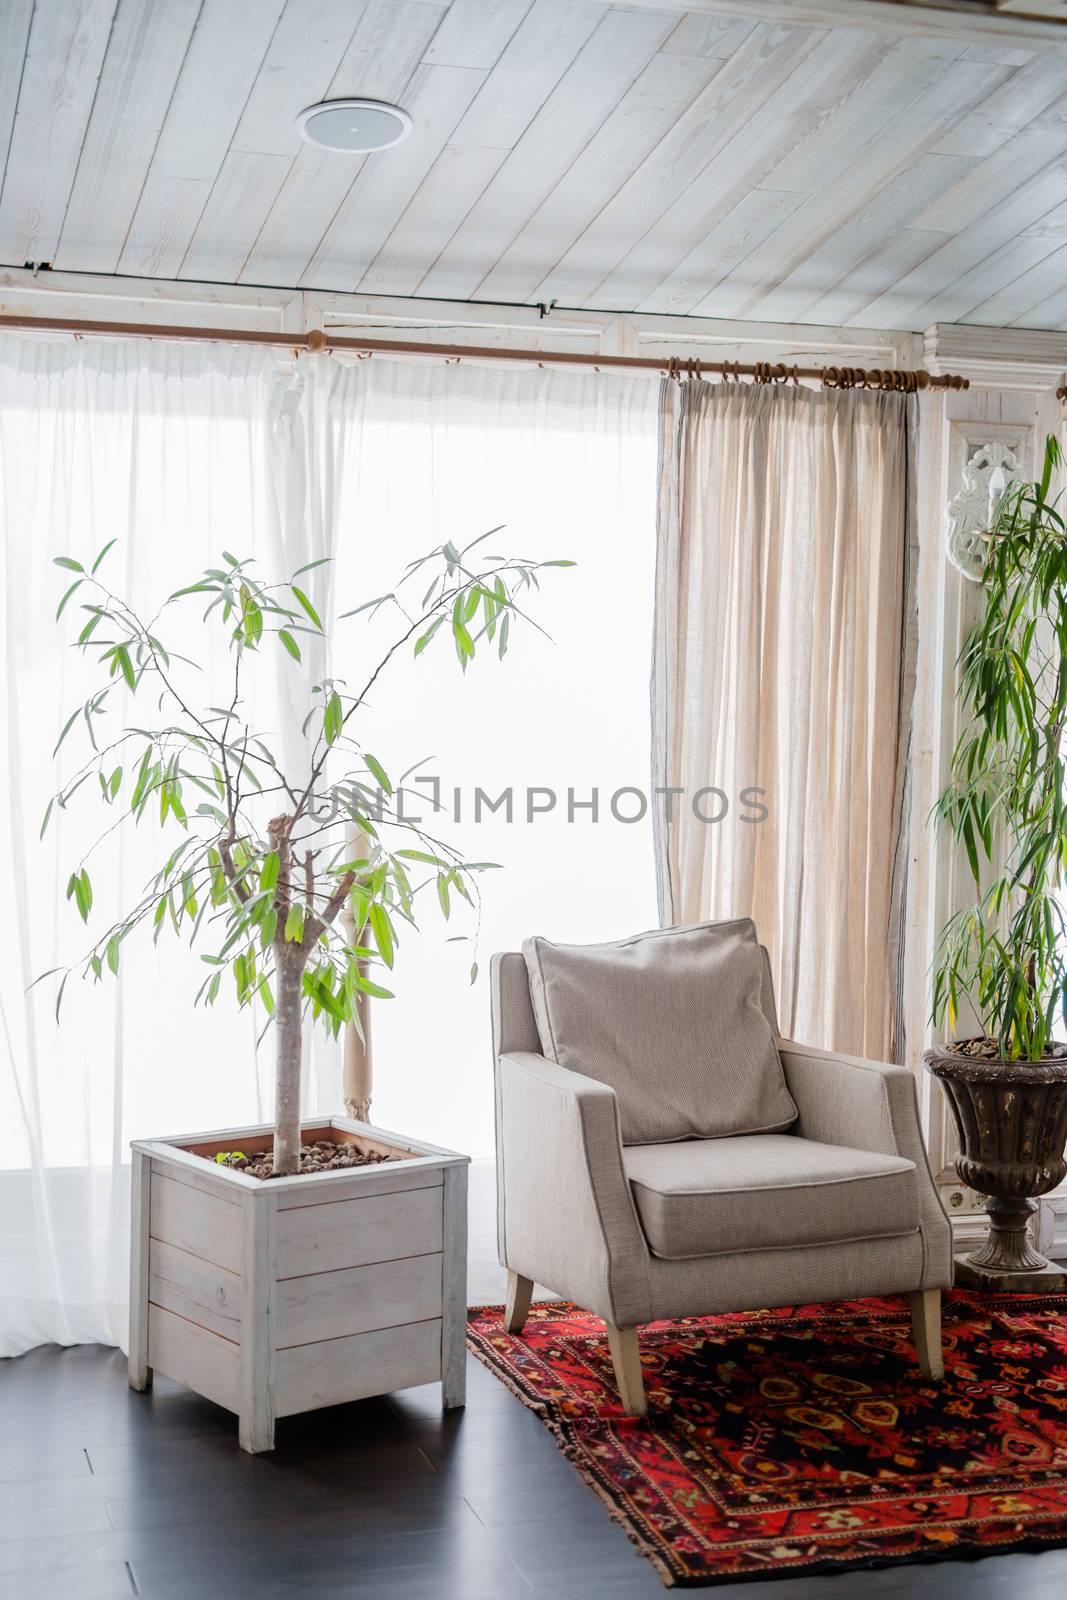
x=356, y=126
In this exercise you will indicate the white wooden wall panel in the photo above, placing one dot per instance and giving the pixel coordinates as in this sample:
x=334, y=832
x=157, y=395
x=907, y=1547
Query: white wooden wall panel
x=698, y=35
x=456, y=179
x=538, y=54
x=755, y=160
x=838, y=259
x=1037, y=264
x=898, y=253
x=167, y=216
x=305, y=51
x=144, y=58
x=16, y=21
x=943, y=286
x=628, y=135
x=64, y=55
x=386, y=48
x=223, y=61
x=237, y=208
x=587, y=92
x=656, y=277
x=609, y=62
x=437, y=98
x=475, y=33
x=1022, y=159
x=1035, y=91
x=873, y=165
x=745, y=83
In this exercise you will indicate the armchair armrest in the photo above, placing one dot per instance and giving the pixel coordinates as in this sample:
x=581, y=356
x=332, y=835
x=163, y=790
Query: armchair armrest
x=567, y=1216
x=869, y=1105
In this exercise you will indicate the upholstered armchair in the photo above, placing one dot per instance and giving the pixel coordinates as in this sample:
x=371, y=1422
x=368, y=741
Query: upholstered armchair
x=822, y=1193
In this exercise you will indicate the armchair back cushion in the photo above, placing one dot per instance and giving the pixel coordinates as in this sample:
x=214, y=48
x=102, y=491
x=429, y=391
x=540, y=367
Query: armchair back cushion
x=673, y=1022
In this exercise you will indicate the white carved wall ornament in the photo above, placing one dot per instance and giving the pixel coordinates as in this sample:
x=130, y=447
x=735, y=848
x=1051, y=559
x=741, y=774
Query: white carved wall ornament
x=971, y=512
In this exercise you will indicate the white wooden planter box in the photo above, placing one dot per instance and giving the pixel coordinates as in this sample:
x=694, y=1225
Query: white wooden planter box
x=279, y=1296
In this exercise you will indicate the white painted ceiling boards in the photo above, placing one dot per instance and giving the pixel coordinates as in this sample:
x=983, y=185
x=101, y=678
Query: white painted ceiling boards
x=624, y=157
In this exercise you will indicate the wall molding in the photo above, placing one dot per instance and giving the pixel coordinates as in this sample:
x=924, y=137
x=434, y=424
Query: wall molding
x=151, y=300
x=1040, y=26
x=997, y=358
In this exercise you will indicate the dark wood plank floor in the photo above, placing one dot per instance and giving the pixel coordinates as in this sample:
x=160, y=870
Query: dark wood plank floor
x=106, y=1494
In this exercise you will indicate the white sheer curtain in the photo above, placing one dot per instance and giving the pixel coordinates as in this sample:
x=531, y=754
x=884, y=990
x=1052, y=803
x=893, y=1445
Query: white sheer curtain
x=178, y=452
x=182, y=451
x=417, y=454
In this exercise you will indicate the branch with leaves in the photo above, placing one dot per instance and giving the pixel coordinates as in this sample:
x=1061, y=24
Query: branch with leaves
x=264, y=862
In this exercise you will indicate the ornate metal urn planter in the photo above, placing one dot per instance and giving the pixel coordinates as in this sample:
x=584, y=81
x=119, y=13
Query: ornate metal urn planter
x=1012, y=1121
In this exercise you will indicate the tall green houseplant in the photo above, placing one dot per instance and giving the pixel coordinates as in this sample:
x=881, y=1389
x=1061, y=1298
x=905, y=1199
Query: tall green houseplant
x=1005, y=954
x=259, y=862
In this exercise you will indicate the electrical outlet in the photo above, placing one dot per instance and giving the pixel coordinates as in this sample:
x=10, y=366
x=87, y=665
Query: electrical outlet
x=960, y=1201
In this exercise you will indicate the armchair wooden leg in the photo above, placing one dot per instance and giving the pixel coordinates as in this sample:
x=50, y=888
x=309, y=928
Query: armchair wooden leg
x=520, y=1293
x=926, y=1326
x=626, y=1359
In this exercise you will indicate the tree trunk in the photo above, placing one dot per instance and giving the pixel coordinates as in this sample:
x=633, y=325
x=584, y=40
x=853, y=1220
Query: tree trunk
x=288, y=1064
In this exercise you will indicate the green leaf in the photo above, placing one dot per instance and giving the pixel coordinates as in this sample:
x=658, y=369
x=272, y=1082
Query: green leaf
x=75, y=585
x=378, y=772
x=90, y=628
x=80, y=890
x=309, y=566
x=294, y=924
x=383, y=932
x=68, y=562
x=333, y=717
x=422, y=642
x=103, y=553
x=368, y=986
x=268, y=873
x=308, y=607
x=71, y=720
x=290, y=643
x=122, y=656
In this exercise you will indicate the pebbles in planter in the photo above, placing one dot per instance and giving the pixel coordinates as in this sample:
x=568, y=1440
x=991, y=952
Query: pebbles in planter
x=989, y=1050
x=323, y=1156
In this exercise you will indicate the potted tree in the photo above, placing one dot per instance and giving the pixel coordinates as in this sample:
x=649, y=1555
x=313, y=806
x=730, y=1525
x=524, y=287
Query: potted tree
x=1005, y=955
x=277, y=1269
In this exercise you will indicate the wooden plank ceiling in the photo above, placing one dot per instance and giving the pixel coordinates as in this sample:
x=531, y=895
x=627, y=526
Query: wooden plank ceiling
x=613, y=157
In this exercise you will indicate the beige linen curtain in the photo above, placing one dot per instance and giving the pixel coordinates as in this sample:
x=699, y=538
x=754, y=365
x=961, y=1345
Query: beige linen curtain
x=784, y=662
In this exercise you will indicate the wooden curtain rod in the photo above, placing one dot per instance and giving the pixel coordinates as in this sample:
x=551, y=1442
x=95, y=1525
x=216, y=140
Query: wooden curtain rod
x=317, y=340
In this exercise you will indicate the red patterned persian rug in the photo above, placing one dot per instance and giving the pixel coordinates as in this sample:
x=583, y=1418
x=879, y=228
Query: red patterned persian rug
x=805, y=1439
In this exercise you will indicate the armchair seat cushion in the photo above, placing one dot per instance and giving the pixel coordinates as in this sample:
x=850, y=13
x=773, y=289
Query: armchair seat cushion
x=705, y=1197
